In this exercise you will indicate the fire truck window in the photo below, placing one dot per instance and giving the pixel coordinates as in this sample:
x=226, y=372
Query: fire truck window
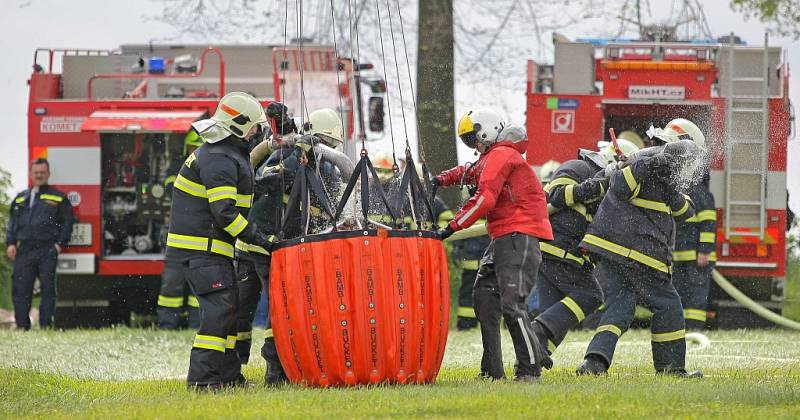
x=376, y=114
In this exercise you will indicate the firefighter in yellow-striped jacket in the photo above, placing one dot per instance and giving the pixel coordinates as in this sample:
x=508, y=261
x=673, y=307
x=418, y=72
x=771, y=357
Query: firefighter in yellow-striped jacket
x=468, y=253
x=630, y=240
x=694, y=256
x=174, y=297
x=567, y=290
x=211, y=198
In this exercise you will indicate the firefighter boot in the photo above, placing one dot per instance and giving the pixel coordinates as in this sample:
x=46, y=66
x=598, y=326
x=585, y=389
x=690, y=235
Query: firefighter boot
x=274, y=376
x=542, y=337
x=592, y=365
x=488, y=313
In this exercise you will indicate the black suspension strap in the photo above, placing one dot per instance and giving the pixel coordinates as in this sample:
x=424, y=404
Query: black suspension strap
x=362, y=173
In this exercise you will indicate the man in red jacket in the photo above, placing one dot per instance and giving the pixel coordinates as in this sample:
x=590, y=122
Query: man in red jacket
x=511, y=199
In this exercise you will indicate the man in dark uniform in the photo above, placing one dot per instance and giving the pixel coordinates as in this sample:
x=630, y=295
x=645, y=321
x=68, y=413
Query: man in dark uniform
x=174, y=296
x=567, y=290
x=468, y=253
x=274, y=178
x=631, y=241
x=694, y=255
x=39, y=228
x=254, y=261
x=212, y=195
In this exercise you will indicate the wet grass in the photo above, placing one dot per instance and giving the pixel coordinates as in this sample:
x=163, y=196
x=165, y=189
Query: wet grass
x=138, y=374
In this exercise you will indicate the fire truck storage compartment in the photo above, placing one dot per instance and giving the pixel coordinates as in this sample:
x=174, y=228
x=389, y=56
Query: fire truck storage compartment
x=135, y=197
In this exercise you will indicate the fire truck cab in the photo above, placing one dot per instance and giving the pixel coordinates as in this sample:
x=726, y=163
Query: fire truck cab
x=736, y=94
x=113, y=124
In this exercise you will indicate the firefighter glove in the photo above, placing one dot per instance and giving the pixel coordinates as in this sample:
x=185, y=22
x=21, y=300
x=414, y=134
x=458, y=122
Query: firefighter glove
x=610, y=168
x=661, y=165
x=279, y=113
x=445, y=233
x=264, y=241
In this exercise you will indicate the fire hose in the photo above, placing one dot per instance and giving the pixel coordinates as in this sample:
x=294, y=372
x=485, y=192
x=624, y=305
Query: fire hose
x=722, y=282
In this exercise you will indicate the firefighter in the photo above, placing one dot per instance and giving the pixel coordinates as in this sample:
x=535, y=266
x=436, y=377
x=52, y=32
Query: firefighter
x=695, y=238
x=212, y=195
x=39, y=228
x=630, y=240
x=546, y=172
x=254, y=261
x=510, y=197
x=632, y=137
x=567, y=290
x=694, y=256
x=175, y=297
x=467, y=253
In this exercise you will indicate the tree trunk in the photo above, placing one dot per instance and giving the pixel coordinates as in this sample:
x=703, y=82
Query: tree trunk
x=435, y=103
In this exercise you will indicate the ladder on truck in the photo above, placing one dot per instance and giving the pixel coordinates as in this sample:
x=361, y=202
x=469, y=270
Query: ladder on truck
x=746, y=144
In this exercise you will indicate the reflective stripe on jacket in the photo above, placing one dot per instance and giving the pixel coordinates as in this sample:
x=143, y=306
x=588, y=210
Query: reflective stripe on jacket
x=636, y=219
x=211, y=198
x=699, y=232
x=576, y=193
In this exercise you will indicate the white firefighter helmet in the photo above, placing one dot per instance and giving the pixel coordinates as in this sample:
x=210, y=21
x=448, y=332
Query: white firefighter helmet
x=632, y=137
x=516, y=135
x=547, y=170
x=237, y=113
x=326, y=124
x=480, y=126
x=627, y=148
x=679, y=129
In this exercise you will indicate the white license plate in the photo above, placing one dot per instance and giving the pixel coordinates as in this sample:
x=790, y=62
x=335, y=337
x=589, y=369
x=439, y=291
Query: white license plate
x=81, y=234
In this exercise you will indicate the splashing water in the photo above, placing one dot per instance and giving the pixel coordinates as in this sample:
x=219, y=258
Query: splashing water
x=690, y=170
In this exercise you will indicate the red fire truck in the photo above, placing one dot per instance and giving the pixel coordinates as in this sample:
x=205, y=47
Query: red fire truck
x=738, y=96
x=112, y=124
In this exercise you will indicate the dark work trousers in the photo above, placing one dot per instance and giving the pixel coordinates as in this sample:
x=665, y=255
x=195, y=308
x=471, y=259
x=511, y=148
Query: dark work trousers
x=627, y=285
x=692, y=283
x=214, y=359
x=466, y=307
x=34, y=259
x=174, y=298
x=251, y=273
x=567, y=293
x=505, y=278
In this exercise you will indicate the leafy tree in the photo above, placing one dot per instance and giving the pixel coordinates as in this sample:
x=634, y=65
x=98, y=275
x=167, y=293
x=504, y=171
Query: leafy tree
x=782, y=16
x=5, y=263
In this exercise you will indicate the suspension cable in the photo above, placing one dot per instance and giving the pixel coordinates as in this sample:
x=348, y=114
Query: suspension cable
x=282, y=88
x=411, y=83
x=336, y=63
x=303, y=110
x=397, y=73
x=386, y=78
x=354, y=63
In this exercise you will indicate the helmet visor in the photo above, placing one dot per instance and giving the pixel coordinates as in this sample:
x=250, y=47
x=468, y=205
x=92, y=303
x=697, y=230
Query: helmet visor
x=470, y=139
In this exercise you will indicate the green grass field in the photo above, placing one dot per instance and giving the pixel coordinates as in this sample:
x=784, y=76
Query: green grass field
x=140, y=373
